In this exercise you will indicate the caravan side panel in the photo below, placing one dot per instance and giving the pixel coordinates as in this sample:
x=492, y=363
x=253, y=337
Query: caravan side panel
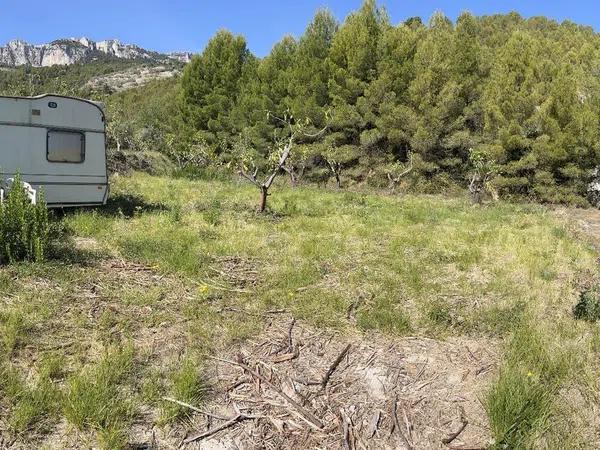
x=30, y=130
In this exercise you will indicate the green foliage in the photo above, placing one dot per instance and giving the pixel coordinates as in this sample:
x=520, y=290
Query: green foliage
x=520, y=403
x=525, y=89
x=434, y=91
x=60, y=79
x=24, y=227
x=32, y=404
x=588, y=306
x=211, y=85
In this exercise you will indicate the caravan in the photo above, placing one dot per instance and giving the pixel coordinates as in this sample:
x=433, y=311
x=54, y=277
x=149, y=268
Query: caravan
x=57, y=144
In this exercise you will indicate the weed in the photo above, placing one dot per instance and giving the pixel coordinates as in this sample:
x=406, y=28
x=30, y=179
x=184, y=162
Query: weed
x=385, y=316
x=588, y=306
x=33, y=404
x=24, y=227
x=185, y=384
x=95, y=398
x=520, y=402
x=13, y=329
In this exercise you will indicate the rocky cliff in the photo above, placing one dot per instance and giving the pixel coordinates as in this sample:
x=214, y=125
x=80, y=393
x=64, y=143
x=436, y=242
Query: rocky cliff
x=71, y=51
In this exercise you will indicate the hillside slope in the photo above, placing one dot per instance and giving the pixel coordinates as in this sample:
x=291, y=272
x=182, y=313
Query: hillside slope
x=71, y=51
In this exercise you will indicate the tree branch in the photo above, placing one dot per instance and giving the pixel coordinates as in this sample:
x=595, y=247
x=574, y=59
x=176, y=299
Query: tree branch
x=251, y=178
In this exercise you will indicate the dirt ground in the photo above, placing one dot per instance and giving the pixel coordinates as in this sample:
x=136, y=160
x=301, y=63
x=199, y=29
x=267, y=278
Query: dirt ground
x=587, y=222
x=412, y=393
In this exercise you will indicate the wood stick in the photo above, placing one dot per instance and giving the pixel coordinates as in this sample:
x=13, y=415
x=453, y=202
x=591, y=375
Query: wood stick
x=334, y=366
x=374, y=424
x=397, y=424
x=287, y=356
x=346, y=434
x=450, y=438
x=290, y=344
x=308, y=416
x=193, y=408
x=229, y=423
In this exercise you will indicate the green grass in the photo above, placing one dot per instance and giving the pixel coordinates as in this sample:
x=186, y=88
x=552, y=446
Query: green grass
x=95, y=398
x=33, y=404
x=185, y=383
x=520, y=404
x=356, y=262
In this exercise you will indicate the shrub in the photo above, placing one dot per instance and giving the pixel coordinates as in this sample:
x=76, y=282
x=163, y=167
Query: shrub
x=588, y=306
x=23, y=226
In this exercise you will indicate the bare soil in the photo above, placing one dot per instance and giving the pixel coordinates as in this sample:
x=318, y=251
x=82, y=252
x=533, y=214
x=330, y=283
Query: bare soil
x=586, y=221
x=407, y=392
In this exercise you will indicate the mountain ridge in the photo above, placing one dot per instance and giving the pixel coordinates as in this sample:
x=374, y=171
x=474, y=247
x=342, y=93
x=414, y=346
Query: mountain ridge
x=67, y=51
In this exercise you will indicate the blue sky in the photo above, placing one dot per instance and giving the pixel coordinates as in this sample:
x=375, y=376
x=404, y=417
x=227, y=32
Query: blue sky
x=187, y=24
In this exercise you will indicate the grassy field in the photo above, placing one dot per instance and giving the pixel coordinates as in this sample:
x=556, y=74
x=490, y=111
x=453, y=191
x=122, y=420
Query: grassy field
x=192, y=263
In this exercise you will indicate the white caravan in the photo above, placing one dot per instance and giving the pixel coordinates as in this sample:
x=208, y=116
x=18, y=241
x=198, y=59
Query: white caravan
x=57, y=144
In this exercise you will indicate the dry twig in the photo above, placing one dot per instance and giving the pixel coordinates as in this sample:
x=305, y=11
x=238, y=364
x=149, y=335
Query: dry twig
x=334, y=366
x=304, y=413
x=397, y=425
x=238, y=418
x=193, y=408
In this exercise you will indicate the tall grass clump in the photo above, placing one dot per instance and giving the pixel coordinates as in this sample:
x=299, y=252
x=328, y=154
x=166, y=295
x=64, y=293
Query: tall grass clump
x=187, y=384
x=24, y=227
x=521, y=401
x=96, y=398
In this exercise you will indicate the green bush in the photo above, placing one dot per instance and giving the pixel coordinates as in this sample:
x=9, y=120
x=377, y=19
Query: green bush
x=24, y=227
x=588, y=306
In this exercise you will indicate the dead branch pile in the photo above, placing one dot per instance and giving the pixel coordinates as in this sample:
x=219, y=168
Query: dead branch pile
x=298, y=387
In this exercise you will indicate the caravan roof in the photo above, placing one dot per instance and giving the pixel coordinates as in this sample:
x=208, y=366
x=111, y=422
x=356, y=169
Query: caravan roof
x=46, y=110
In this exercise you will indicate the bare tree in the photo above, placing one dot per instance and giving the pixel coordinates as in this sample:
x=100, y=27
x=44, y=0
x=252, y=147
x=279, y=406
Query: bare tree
x=482, y=176
x=338, y=156
x=396, y=171
x=280, y=154
x=336, y=170
x=295, y=165
x=194, y=152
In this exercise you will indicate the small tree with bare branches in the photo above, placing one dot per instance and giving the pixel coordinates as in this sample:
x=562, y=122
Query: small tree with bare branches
x=397, y=170
x=295, y=166
x=191, y=152
x=484, y=170
x=337, y=158
x=278, y=155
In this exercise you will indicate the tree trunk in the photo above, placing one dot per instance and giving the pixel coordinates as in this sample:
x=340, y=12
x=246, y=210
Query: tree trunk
x=264, y=192
x=293, y=179
x=338, y=180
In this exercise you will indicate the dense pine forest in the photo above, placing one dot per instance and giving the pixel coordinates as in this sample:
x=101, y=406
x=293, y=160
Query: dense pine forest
x=512, y=102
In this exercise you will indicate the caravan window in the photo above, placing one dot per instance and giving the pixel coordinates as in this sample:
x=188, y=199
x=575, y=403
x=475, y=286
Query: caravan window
x=65, y=146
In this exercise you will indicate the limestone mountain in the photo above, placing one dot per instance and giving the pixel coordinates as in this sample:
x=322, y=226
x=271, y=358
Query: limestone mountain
x=70, y=51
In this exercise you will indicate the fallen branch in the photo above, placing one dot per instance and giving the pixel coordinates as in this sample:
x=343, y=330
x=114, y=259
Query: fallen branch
x=304, y=413
x=397, y=424
x=334, y=366
x=290, y=344
x=447, y=440
x=239, y=418
x=287, y=356
x=248, y=313
x=347, y=435
x=323, y=382
x=374, y=424
x=193, y=408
